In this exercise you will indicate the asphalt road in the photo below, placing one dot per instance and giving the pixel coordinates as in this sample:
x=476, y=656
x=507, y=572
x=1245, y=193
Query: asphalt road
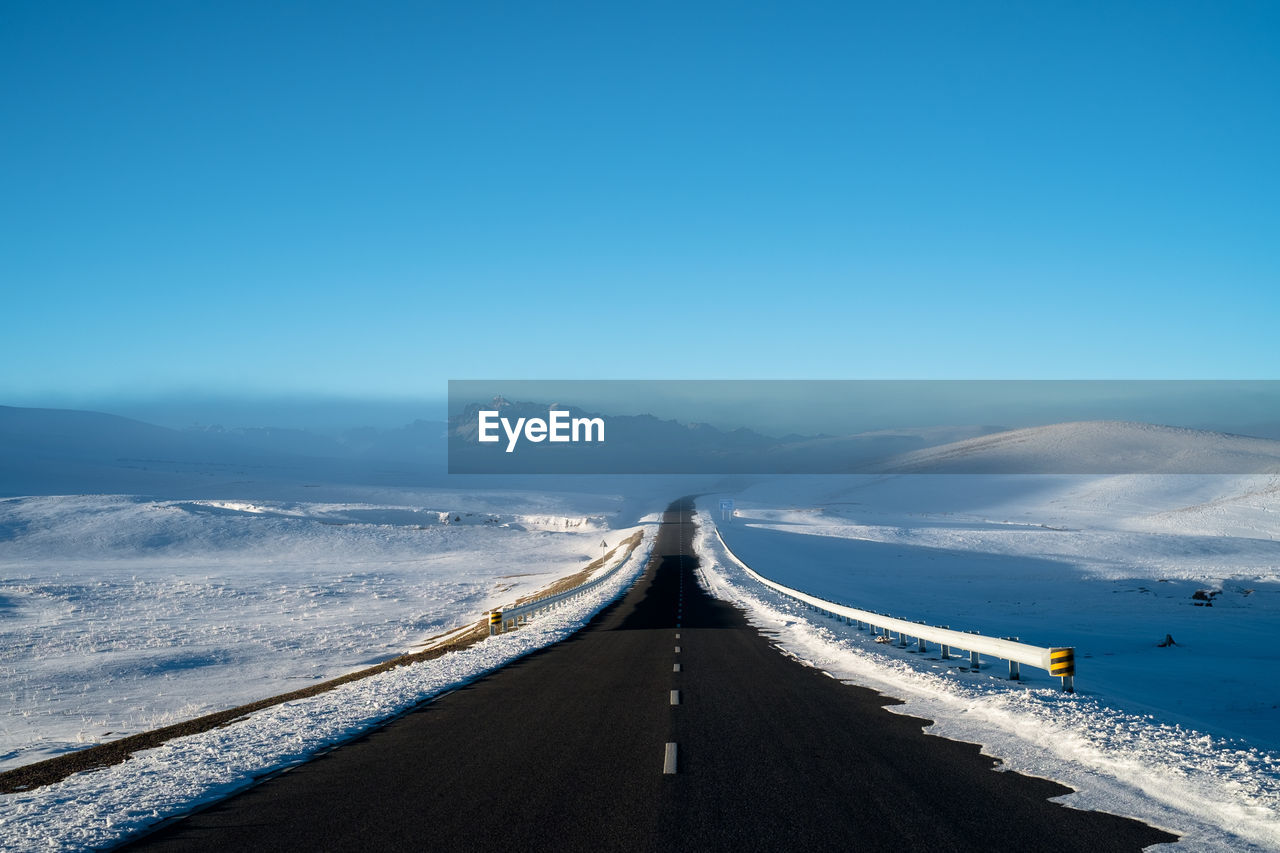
x=566, y=750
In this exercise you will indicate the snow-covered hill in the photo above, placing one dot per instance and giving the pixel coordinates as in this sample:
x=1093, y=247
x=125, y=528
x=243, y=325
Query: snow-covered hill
x=1096, y=447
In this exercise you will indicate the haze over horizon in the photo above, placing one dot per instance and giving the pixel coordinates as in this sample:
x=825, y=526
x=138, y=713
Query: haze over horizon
x=772, y=407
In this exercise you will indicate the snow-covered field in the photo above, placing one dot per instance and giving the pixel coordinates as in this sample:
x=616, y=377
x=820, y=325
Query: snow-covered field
x=1183, y=736
x=122, y=614
x=99, y=809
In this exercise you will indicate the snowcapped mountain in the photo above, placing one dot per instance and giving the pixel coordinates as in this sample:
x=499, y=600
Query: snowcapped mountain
x=1095, y=447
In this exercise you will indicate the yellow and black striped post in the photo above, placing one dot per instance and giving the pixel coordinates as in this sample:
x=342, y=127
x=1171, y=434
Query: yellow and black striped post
x=1063, y=662
x=495, y=622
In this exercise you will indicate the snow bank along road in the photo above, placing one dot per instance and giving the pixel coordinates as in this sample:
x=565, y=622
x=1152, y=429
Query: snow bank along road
x=570, y=748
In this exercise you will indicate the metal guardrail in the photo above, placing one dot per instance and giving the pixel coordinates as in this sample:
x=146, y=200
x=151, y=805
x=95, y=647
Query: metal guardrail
x=517, y=615
x=1057, y=661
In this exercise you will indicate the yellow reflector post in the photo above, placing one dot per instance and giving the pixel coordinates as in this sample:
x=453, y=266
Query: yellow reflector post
x=1062, y=661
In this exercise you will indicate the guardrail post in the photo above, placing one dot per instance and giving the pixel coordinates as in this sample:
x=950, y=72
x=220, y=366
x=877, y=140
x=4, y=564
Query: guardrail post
x=1059, y=661
x=1063, y=662
x=1015, y=671
x=495, y=622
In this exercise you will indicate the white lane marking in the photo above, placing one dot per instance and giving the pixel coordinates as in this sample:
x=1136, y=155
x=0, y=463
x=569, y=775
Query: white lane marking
x=675, y=697
x=675, y=667
x=669, y=759
x=677, y=650
x=677, y=635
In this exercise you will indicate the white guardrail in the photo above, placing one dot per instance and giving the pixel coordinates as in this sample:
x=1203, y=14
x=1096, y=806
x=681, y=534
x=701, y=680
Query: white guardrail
x=518, y=615
x=1057, y=661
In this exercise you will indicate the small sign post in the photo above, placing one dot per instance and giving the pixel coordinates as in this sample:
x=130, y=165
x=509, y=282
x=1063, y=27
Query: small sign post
x=726, y=506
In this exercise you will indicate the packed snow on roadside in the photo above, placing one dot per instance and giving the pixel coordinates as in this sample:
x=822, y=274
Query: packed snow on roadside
x=121, y=614
x=1181, y=736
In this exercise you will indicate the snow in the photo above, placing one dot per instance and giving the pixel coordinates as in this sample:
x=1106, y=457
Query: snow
x=122, y=614
x=110, y=805
x=1182, y=737
x=1092, y=447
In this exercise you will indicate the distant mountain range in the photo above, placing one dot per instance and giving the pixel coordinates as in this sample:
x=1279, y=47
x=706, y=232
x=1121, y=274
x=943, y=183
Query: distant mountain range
x=643, y=444
x=59, y=451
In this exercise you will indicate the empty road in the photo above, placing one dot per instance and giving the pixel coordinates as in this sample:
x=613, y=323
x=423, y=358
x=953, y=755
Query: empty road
x=568, y=749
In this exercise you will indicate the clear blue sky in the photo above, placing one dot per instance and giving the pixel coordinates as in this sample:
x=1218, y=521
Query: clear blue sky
x=369, y=199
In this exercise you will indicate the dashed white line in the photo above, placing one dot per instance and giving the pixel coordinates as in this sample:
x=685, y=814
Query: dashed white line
x=669, y=759
x=677, y=650
x=675, y=667
x=675, y=697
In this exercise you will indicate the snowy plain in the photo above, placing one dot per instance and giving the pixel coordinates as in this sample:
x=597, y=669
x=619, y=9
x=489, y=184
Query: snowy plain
x=103, y=808
x=1181, y=736
x=121, y=614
